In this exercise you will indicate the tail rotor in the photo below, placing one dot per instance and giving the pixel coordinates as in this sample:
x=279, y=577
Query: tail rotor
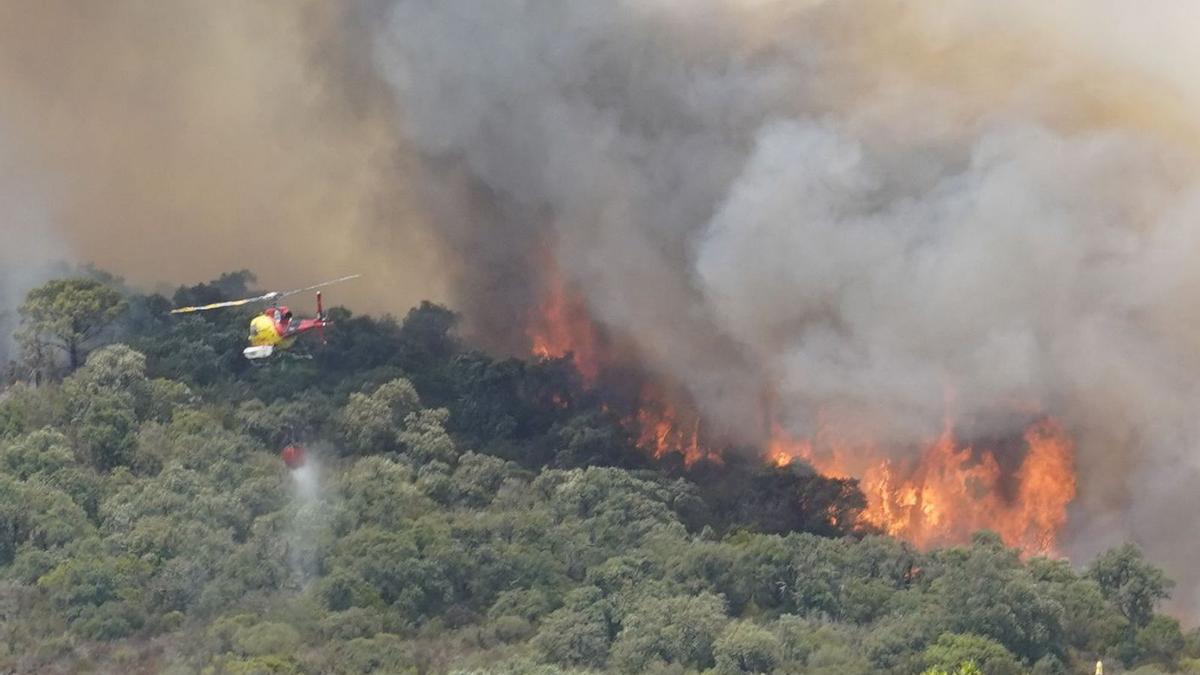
x=321, y=319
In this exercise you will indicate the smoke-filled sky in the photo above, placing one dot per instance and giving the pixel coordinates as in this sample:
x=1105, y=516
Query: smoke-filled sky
x=29, y=247
x=865, y=209
x=184, y=139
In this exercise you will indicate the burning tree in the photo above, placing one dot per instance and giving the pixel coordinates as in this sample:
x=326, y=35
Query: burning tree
x=939, y=493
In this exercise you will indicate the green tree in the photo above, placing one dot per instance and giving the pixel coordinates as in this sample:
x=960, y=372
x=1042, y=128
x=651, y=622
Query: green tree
x=384, y=653
x=267, y=639
x=1130, y=582
x=530, y=604
x=393, y=564
x=343, y=589
x=611, y=507
x=38, y=516
x=114, y=367
x=986, y=591
x=369, y=422
x=105, y=428
x=1090, y=622
x=816, y=579
x=838, y=660
x=45, y=457
x=105, y=398
x=897, y=643
x=261, y=665
x=1160, y=641
x=592, y=439
x=44, y=452
x=800, y=638
x=98, y=594
x=746, y=648
x=1049, y=665
x=381, y=492
x=966, y=668
x=477, y=478
x=680, y=630
x=68, y=315
x=423, y=437
x=574, y=636
x=951, y=650
x=283, y=421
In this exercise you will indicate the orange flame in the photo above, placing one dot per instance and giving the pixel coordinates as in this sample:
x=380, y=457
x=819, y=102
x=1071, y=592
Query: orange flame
x=952, y=490
x=938, y=497
x=560, y=325
x=661, y=429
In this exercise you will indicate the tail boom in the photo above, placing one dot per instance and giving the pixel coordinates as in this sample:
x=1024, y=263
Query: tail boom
x=321, y=319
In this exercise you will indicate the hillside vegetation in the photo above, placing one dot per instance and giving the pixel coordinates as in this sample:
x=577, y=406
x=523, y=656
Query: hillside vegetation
x=462, y=513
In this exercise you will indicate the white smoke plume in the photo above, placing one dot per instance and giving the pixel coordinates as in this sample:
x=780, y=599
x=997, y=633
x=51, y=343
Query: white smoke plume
x=858, y=206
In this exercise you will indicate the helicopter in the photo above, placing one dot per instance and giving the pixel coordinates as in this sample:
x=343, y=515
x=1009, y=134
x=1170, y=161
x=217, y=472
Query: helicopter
x=275, y=329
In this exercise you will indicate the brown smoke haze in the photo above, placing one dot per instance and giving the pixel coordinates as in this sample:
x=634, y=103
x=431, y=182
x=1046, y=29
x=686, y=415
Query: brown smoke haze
x=857, y=206
x=184, y=139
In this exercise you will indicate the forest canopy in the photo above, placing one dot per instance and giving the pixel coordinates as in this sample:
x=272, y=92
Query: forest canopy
x=462, y=512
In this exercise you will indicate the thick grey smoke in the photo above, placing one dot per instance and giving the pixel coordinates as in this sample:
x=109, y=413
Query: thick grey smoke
x=866, y=209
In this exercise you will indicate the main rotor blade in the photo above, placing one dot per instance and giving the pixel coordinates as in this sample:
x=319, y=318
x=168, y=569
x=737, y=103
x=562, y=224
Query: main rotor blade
x=316, y=286
x=219, y=305
x=272, y=296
